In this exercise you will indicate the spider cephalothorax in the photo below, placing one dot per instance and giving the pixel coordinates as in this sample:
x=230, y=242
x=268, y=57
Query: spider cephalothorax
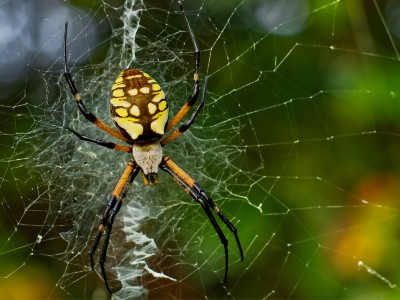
x=148, y=157
x=140, y=112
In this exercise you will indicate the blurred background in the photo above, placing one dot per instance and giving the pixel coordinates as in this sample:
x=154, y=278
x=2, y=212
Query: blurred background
x=298, y=144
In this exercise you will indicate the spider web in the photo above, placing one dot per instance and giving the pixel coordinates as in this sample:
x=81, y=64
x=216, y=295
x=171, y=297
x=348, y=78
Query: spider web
x=297, y=144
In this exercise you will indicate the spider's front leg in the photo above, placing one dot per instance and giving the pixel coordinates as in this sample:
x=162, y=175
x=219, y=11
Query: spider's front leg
x=87, y=114
x=112, y=208
x=195, y=92
x=185, y=126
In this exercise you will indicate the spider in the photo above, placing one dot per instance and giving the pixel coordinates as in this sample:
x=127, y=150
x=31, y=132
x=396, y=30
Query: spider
x=140, y=112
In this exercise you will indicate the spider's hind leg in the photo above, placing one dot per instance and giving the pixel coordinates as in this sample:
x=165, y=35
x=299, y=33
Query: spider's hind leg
x=200, y=196
x=112, y=209
x=224, y=219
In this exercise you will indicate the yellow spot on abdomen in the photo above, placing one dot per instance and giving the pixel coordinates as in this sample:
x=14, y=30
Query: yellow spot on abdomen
x=158, y=125
x=118, y=86
x=119, y=79
x=162, y=105
x=133, y=92
x=122, y=112
x=131, y=126
x=118, y=93
x=155, y=87
x=120, y=102
x=152, y=108
x=159, y=96
x=135, y=111
x=145, y=90
x=134, y=76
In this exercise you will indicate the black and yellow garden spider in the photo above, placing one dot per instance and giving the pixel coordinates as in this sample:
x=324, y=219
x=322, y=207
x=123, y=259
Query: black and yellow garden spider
x=140, y=112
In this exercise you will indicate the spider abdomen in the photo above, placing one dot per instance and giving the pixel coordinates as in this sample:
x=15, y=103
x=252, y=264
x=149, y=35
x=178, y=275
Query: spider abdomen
x=138, y=106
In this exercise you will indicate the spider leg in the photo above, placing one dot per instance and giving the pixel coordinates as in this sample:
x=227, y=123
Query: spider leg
x=103, y=223
x=88, y=115
x=112, y=208
x=193, y=97
x=104, y=249
x=199, y=195
x=190, y=121
x=106, y=144
x=224, y=219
